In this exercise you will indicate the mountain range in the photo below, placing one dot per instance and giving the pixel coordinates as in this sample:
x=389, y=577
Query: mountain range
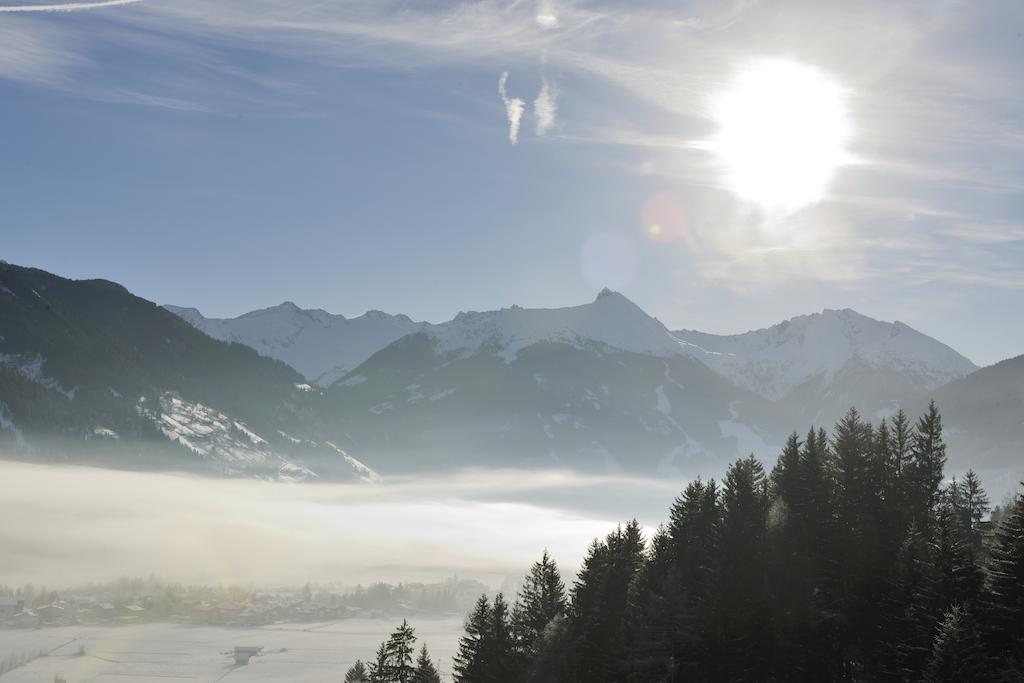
x=90, y=372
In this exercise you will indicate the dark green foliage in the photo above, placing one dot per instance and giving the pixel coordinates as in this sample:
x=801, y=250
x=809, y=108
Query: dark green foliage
x=600, y=598
x=1004, y=603
x=357, y=673
x=958, y=655
x=923, y=473
x=487, y=652
x=851, y=562
x=471, y=660
x=541, y=599
x=379, y=669
x=425, y=671
x=394, y=662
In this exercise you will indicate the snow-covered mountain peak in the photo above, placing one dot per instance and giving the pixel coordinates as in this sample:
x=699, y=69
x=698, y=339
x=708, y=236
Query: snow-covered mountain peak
x=611, y=320
x=320, y=345
x=775, y=360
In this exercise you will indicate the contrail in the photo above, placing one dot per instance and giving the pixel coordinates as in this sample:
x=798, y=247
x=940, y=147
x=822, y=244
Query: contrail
x=66, y=7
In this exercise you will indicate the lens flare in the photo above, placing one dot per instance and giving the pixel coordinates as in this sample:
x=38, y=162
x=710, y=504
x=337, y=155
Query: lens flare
x=663, y=217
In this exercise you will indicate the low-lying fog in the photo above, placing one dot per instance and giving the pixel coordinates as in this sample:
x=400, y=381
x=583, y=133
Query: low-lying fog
x=63, y=525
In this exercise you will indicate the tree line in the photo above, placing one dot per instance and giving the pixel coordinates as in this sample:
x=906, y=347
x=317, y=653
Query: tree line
x=853, y=559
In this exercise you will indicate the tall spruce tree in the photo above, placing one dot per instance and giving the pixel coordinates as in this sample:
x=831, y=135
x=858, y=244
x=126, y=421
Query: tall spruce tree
x=655, y=617
x=600, y=598
x=958, y=655
x=426, y=671
x=911, y=610
x=504, y=660
x=1004, y=606
x=541, y=599
x=380, y=670
x=694, y=533
x=400, y=648
x=471, y=663
x=357, y=673
x=742, y=617
x=923, y=474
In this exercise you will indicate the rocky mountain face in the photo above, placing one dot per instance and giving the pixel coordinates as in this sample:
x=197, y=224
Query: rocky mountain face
x=90, y=373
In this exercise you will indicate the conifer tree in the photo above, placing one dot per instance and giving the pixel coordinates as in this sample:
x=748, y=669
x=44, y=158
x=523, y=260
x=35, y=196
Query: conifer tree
x=912, y=610
x=974, y=505
x=503, y=657
x=471, y=662
x=958, y=655
x=600, y=599
x=900, y=442
x=425, y=671
x=956, y=559
x=923, y=473
x=380, y=671
x=400, y=647
x=742, y=615
x=694, y=532
x=656, y=618
x=541, y=599
x=1004, y=608
x=357, y=673
x=785, y=479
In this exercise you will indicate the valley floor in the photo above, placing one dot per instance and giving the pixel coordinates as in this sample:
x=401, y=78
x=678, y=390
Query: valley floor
x=298, y=653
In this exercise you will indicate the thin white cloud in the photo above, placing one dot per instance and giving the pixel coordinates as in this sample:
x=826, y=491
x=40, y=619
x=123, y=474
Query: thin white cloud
x=67, y=6
x=547, y=21
x=514, y=107
x=33, y=51
x=546, y=16
x=545, y=107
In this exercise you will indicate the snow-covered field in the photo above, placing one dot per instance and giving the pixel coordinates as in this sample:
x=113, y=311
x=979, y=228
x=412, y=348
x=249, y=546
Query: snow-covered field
x=297, y=653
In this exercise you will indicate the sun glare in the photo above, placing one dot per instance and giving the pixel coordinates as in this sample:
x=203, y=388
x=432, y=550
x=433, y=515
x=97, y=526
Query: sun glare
x=782, y=132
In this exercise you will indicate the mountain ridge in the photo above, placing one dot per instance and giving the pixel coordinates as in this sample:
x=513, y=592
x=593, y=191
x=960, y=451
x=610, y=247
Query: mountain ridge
x=602, y=386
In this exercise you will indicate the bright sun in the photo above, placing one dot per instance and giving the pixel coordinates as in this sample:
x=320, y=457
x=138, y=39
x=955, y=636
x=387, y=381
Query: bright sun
x=782, y=132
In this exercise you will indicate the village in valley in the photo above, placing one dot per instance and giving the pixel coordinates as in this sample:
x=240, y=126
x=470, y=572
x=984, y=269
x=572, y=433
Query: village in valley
x=137, y=601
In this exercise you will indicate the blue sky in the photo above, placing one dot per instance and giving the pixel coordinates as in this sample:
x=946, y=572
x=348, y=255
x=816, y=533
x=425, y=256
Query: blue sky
x=357, y=155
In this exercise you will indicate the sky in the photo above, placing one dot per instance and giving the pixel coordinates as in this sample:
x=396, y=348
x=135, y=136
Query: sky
x=431, y=157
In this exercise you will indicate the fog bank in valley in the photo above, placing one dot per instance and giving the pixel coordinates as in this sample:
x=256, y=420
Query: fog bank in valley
x=64, y=525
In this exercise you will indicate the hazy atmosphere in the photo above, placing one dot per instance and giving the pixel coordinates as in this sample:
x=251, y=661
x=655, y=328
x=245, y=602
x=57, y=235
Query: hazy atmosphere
x=73, y=525
x=511, y=341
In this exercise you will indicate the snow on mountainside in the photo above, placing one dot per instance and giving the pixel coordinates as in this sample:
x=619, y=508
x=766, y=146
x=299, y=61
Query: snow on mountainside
x=325, y=347
x=611, y=319
x=228, y=444
x=599, y=387
x=775, y=361
x=321, y=346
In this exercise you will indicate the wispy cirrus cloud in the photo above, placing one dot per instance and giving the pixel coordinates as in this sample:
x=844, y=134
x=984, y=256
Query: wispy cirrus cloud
x=545, y=107
x=66, y=6
x=514, y=107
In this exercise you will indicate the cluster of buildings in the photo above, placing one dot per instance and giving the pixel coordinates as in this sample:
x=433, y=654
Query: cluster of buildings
x=15, y=612
x=140, y=602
